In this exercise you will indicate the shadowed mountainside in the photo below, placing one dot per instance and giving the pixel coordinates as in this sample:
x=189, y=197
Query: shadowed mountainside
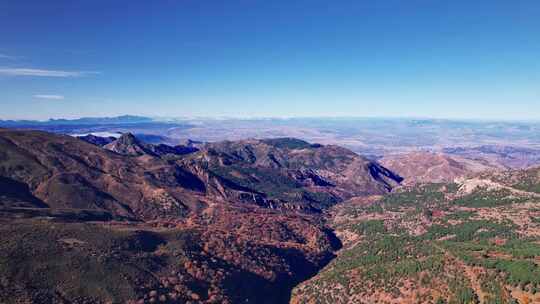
x=289, y=173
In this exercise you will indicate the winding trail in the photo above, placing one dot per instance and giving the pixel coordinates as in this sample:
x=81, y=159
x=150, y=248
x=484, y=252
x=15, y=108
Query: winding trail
x=469, y=273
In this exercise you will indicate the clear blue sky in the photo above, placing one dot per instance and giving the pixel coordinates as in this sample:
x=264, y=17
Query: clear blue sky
x=456, y=59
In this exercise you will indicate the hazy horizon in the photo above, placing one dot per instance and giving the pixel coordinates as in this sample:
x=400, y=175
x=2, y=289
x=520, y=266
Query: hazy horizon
x=229, y=117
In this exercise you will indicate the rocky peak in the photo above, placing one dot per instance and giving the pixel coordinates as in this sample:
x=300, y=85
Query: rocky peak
x=128, y=144
x=128, y=139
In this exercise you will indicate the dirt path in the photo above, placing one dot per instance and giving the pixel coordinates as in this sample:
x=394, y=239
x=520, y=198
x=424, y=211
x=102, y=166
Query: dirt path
x=469, y=273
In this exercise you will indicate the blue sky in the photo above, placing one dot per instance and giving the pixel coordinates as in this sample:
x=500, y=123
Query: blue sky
x=450, y=59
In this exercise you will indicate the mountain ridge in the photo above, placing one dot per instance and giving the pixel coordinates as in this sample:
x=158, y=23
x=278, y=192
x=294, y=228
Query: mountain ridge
x=167, y=228
x=432, y=167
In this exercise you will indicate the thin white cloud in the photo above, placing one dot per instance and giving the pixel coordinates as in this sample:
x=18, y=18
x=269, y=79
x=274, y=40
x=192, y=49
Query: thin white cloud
x=46, y=96
x=4, y=56
x=43, y=73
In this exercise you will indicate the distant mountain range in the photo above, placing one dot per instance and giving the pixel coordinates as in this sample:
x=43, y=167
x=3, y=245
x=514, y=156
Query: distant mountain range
x=79, y=121
x=149, y=129
x=373, y=137
x=514, y=157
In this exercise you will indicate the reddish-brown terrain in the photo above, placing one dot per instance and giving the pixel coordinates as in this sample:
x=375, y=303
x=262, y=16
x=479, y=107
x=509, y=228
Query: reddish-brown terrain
x=253, y=221
x=476, y=240
x=426, y=167
x=229, y=223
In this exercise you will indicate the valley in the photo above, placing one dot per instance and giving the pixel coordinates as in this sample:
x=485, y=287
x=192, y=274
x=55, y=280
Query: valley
x=101, y=220
x=230, y=222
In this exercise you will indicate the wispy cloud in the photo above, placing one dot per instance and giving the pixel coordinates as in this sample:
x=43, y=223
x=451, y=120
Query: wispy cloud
x=4, y=56
x=43, y=73
x=46, y=96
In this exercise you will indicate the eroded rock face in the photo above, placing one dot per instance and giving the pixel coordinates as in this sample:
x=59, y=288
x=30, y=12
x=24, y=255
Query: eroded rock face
x=148, y=181
x=290, y=173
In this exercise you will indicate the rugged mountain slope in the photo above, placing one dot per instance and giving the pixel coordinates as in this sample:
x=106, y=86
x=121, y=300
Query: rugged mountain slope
x=17, y=194
x=84, y=224
x=289, y=173
x=426, y=167
x=238, y=222
x=135, y=181
x=128, y=144
x=227, y=255
x=476, y=241
x=65, y=172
